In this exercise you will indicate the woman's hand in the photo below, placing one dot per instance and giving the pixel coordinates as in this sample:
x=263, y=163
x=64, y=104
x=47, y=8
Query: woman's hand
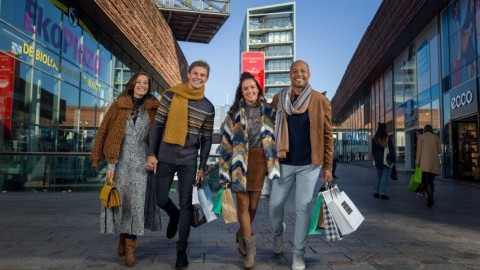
x=110, y=173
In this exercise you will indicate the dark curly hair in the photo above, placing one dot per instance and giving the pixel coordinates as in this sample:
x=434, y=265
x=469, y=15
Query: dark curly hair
x=238, y=93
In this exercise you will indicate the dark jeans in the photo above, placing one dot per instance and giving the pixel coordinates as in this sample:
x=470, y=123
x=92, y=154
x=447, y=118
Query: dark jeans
x=186, y=178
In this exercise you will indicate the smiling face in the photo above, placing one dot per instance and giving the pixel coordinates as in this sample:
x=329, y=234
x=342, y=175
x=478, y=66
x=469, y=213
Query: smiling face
x=197, y=77
x=299, y=75
x=250, y=92
x=141, y=86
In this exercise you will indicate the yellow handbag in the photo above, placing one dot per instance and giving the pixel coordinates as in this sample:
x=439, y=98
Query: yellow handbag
x=109, y=195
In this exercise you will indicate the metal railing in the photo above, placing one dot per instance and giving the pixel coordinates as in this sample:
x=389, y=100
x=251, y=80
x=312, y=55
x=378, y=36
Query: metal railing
x=208, y=6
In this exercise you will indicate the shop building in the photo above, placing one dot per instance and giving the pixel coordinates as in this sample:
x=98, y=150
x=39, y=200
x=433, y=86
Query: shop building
x=271, y=29
x=416, y=64
x=63, y=62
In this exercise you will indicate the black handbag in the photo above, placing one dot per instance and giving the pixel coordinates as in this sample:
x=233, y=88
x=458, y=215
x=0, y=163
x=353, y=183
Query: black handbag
x=394, y=173
x=198, y=217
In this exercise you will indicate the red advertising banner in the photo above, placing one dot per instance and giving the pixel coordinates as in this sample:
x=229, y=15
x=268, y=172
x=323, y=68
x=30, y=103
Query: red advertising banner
x=254, y=62
x=7, y=67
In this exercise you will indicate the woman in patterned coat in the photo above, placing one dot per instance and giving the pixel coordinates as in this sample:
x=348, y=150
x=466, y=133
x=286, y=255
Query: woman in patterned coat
x=122, y=140
x=247, y=152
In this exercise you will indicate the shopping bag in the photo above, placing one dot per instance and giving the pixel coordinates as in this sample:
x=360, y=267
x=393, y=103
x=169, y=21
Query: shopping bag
x=109, y=195
x=387, y=157
x=415, y=180
x=346, y=215
x=317, y=225
x=331, y=230
x=229, y=210
x=217, y=205
x=198, y=216
x=152, y=212
x=205, y=199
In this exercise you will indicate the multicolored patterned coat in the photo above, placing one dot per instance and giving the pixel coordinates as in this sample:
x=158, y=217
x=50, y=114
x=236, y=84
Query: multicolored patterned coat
x=234, y=146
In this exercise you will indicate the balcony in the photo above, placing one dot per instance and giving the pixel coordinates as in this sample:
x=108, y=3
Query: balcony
x=194, y=20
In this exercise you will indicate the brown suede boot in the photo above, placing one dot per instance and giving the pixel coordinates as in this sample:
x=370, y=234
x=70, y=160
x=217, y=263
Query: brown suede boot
x=130, y=252
x=241, y=244
x=121, y=244
x=250, y=243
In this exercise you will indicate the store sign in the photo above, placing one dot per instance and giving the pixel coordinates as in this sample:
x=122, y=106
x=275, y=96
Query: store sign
x=52, y=34
x=463, y=99
x=7, y=67
x=254, y=62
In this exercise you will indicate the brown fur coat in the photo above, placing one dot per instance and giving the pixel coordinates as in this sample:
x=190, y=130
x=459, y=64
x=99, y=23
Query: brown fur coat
x=110, y=135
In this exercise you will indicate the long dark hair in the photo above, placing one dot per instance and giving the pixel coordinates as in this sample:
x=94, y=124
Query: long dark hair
x=381, y=136
x=238, y=93
x=428, y=128
x=130, y=85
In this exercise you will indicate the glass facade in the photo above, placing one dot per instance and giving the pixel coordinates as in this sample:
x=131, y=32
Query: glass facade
x=434, y=80
x=58, y=74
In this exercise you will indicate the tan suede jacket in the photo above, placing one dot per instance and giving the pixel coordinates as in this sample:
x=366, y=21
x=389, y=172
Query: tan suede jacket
x=110, y=135
x=321, y=131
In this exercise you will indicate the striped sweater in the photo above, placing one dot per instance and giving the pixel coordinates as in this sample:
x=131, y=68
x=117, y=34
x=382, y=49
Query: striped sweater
x=199, y=135
x=234, y=146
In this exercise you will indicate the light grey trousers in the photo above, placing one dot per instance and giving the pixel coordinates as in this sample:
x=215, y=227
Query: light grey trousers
x=304, y=178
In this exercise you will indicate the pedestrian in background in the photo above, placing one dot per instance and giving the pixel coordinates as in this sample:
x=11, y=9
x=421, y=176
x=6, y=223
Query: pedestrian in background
x=122, y=140
x=183, y=126
x=304, y=137
x=428, y=149
x=335, y=156
x=247, y=152
x=380, y=141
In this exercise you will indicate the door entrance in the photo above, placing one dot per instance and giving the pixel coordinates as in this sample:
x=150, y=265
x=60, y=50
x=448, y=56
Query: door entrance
x=465, y=145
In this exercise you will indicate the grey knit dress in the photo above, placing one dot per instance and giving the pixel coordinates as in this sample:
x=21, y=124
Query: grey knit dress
x=131, y=181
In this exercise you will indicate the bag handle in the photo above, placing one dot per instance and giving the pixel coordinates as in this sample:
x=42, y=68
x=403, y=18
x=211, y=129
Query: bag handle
x=110, y=181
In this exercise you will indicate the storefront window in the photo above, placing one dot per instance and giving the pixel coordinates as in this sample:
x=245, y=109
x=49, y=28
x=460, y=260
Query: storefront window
x=44, y=104
x=91, y=62
x=47, y=60
x=20, y=14
x=105, y=59
x=90, y=84
x=22, y=93
x=48, y=25
x=72, y=37
x=16, y=44
x=69, y=111
x=462, y=40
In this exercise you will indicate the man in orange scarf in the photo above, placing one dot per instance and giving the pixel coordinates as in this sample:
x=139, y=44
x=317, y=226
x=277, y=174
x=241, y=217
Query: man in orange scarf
x=183, y=125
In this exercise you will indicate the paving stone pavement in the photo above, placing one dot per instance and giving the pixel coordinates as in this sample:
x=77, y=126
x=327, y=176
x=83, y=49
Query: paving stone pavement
x=61, y=231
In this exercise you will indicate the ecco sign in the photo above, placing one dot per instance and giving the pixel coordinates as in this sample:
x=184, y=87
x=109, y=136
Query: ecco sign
x=461, y=100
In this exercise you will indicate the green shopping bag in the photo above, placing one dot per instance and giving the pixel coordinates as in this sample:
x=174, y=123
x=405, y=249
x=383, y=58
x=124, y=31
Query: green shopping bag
x=415, y=180
x=317, y=219
x=217, y=205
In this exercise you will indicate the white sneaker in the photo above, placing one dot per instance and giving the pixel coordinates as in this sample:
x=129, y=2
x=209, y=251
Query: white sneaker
x=298, y=262
x=278, y=241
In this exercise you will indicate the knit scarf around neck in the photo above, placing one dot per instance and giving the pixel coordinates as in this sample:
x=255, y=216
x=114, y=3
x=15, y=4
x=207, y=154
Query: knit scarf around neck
x=286, y=107
x=177, y=121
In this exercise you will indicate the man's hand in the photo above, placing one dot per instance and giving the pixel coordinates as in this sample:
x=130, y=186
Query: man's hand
x=200, y=177
x=151, y=164
x=327, y=176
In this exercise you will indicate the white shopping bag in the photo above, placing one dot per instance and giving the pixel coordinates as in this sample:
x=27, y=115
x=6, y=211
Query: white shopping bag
x=206, y=201
x=345, y=214
x=195, y=199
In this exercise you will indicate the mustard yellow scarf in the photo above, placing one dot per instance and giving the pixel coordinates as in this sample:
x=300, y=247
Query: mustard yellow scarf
x=177, y=120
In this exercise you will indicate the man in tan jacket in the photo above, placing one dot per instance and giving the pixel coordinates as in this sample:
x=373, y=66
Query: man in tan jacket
x=304, y=136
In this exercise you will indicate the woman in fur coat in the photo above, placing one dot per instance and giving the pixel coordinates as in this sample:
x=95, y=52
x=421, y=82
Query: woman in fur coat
x=122, y=140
